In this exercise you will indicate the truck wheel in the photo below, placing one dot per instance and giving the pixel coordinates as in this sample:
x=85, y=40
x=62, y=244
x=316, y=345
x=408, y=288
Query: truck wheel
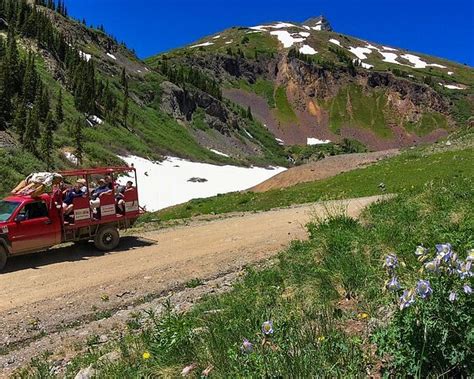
x=107, y=238
x=3, y=258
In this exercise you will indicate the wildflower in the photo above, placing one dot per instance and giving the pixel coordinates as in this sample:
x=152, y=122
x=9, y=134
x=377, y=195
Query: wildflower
x=453, y=296
x=464, y=270
x=246, y=347
x=467, y=289
x=444, y=251
x=432, y=265
x=363, y=315
x=407, y=299
x=423, y=289
x=321, y=339
x=420, y=251
x=393, y=284
x=187, y=370
x=391, y=261
x=470, y=255
x=146, y=355
x=267, y=328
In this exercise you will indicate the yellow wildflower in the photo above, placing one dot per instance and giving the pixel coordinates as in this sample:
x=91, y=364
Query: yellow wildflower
x=363, y=315
x=146, y=355
x=321, y=338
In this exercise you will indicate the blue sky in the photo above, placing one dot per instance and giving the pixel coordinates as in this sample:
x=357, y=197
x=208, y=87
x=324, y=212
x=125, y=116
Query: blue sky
x=444, y=28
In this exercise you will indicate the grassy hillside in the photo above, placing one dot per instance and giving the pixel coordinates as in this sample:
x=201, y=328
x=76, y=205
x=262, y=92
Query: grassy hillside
x=413, y=169
x=331, y=312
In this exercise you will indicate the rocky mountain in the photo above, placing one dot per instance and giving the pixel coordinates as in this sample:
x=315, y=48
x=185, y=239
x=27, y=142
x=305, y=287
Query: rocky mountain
x=71, y=93
x=309, y=84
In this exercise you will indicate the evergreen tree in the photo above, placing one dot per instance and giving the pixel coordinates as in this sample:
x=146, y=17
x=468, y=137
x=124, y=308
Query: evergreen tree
x=19, y=121
x=59, y=107
x=125, y=106
x=5, y=102
x=30, y=81
x=123, y=78
x=47, y=141
x=13, y=76
x=30, y=137
x=78, y=142
x=44, y=104
x=249, y=113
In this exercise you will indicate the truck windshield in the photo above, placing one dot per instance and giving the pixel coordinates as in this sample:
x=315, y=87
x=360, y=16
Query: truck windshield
x=7, y=208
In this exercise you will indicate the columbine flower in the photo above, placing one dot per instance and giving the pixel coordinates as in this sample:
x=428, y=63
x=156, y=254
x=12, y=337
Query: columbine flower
x=464, y=270
x=267, y=328
x=407, y=299
x=467, y=289
x=453, y=296
x=393, y=284
x=444, y=251
x=470, y=255
x=246, y=346
x=432, y=265
x=423, y=289
x=391, y=261
x=420, y=251
x=146, y=355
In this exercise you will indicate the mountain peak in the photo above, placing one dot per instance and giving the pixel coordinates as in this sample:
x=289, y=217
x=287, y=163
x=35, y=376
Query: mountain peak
x=318, y=23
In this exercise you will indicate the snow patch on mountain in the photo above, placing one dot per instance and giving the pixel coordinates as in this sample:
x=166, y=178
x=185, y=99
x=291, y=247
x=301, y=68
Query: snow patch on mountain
x=418, y=62
x=389, y=48
x=450, y=73
x=315, y=141
x=112, y=56
x=451, y=86
x=335, y=42
x=219, y=153
x=308, y=50
x=203, y=44
x=286, y=38
x=360, y=52
x=304, y=34
x=216, y=37
x=390, y=57
x=85, y=56
x=163, y=184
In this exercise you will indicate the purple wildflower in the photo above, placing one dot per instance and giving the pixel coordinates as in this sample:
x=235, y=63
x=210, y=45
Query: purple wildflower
x=432, y=266
x=391, y=261
x=467, y=289
x=445, y=251
x=407, y=299
x=246, y=347
x=453, y=296
x=267, y=328
x=423, y=289
x=464, y=270
x=393, y=284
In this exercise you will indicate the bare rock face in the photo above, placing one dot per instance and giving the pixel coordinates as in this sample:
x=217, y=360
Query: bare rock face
x=176, y=102
x=318, y=23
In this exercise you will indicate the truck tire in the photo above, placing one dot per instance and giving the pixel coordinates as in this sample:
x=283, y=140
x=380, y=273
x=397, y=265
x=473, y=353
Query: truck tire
x=107, y=238
x=3, y=258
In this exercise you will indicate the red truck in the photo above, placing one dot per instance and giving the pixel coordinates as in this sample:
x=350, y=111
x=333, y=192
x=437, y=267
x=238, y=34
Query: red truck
x=33, y=224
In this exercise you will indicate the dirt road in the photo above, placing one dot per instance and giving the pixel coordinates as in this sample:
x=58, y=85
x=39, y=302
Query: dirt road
x=49, y=301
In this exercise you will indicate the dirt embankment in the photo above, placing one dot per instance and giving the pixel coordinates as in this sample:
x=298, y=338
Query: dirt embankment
x=57, y=300
x=325, y=168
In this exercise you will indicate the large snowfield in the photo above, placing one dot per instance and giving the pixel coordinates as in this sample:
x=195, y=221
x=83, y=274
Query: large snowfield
x=163, y=184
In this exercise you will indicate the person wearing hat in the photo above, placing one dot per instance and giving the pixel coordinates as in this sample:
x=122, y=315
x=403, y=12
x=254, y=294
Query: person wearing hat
x=83, y=184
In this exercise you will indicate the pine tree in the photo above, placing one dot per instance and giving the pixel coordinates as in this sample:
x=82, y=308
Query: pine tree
x=249, y=113
x=19, y=120
x=78, y=141
x=123, y=78
x=47, y=141
x=5, y=102
x=43, y=104
x=125, y=106
x=59, y=108
x=13, y=82
x=30, y=137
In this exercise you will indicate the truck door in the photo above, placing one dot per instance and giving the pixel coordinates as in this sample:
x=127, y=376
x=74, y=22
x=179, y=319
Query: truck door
x=32, y=228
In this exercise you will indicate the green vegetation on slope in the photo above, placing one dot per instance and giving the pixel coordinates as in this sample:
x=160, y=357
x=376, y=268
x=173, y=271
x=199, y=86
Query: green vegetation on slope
x=429, y=121
x=412, y=169
x=352, y=107
x=261, y=87
x=331, y=314
x=284, y=111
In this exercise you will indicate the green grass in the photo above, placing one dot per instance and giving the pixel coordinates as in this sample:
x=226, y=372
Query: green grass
x=352, y=107
x=284, y=111
x=317, y=294
x=261, y=87
x=412, y=169
x=429, y=122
